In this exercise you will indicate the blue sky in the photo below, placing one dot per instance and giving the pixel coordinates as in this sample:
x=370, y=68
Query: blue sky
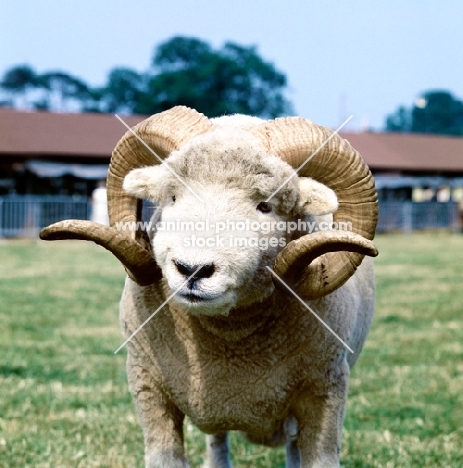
x=341, y=57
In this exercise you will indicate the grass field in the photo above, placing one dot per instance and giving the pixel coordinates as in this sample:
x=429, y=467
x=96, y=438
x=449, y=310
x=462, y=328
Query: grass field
x=63, y=393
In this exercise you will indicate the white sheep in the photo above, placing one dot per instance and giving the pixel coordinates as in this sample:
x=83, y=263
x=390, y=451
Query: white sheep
x=235, y=349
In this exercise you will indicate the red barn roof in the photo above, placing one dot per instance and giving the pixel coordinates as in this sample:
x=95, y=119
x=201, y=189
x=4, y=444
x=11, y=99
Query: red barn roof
x=409, y=152
x=47, y=135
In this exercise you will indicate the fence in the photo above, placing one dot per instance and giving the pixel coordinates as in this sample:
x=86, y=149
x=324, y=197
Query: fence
x=25, y=215
x=410, y=216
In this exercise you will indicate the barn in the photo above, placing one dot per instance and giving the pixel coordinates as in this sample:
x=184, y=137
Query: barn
x=51, y=164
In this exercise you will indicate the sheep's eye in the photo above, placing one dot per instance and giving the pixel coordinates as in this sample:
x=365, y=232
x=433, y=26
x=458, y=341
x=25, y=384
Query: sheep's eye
x=264, y=207
x=173, y=198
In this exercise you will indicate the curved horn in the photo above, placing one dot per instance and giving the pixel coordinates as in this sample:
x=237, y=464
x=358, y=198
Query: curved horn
x=307, y=249
x=148, y=143
x=323, y=155
x=138, y=261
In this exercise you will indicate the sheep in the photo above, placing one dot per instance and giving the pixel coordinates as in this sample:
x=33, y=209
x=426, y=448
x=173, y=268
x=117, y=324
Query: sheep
x=237, y=344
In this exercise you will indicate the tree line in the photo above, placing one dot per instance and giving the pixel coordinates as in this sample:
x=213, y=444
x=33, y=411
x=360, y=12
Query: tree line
x=437, y=112
x=188, y=71
x=183, y=70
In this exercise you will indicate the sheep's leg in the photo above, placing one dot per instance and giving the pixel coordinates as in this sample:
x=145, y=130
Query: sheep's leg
x=163, y=431
x=161, y=421
x=293, y=459
x=218, y=451
x=320, y=427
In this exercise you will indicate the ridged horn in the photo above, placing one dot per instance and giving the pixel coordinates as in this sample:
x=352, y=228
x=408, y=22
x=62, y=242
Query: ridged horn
x=145, y=145
x=322, y=154
x=158, y=135
x=138, y=261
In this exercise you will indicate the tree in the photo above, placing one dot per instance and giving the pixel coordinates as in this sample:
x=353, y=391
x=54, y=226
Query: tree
x=436, y=112
x=60, y=88
x=57, y=87
x=184, y=70
x=17, y=81
x=233, y=79
x=399, y=121
x=123, y=90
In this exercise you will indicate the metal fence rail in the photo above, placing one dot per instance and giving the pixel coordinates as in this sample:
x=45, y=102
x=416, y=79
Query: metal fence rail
x=410, y=216
x=26, y=215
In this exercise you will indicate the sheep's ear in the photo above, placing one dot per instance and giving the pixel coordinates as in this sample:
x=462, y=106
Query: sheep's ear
x=146, y=182
x=315, y=199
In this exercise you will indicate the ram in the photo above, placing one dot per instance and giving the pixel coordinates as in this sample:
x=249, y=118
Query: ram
x=259, y=335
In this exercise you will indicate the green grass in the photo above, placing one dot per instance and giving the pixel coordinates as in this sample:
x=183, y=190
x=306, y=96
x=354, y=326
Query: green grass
x=63, y=393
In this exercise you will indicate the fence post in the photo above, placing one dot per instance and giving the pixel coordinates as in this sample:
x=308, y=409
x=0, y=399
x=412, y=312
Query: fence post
x=455, y=217
x=407, y=217
x=1, y=218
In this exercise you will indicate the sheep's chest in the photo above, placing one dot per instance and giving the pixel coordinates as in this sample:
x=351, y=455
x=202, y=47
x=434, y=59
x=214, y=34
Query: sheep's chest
x=225, y=394
x=248, y=386
x=222, y=383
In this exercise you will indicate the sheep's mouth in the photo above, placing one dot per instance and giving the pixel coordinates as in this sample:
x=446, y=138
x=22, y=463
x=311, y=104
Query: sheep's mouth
x=204, y=303
x=195, y=298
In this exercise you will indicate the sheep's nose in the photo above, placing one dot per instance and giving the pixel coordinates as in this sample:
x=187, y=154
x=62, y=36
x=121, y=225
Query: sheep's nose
x=195, y=271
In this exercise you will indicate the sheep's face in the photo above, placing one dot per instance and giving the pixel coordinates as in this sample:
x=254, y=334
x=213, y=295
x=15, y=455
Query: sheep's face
x=216, y=228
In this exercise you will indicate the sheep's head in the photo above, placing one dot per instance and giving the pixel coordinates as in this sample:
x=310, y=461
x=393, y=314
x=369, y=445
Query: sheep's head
x=235, y=170
x=213, y=215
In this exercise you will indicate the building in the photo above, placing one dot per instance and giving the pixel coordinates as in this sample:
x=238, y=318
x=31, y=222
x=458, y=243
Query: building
x=53, y=153
x=413, y=167
x=419, y=178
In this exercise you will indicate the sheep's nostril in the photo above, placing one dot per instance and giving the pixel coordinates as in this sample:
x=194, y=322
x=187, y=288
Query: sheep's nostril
x=206, y=271
x=195, y=271
x=184, y=269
